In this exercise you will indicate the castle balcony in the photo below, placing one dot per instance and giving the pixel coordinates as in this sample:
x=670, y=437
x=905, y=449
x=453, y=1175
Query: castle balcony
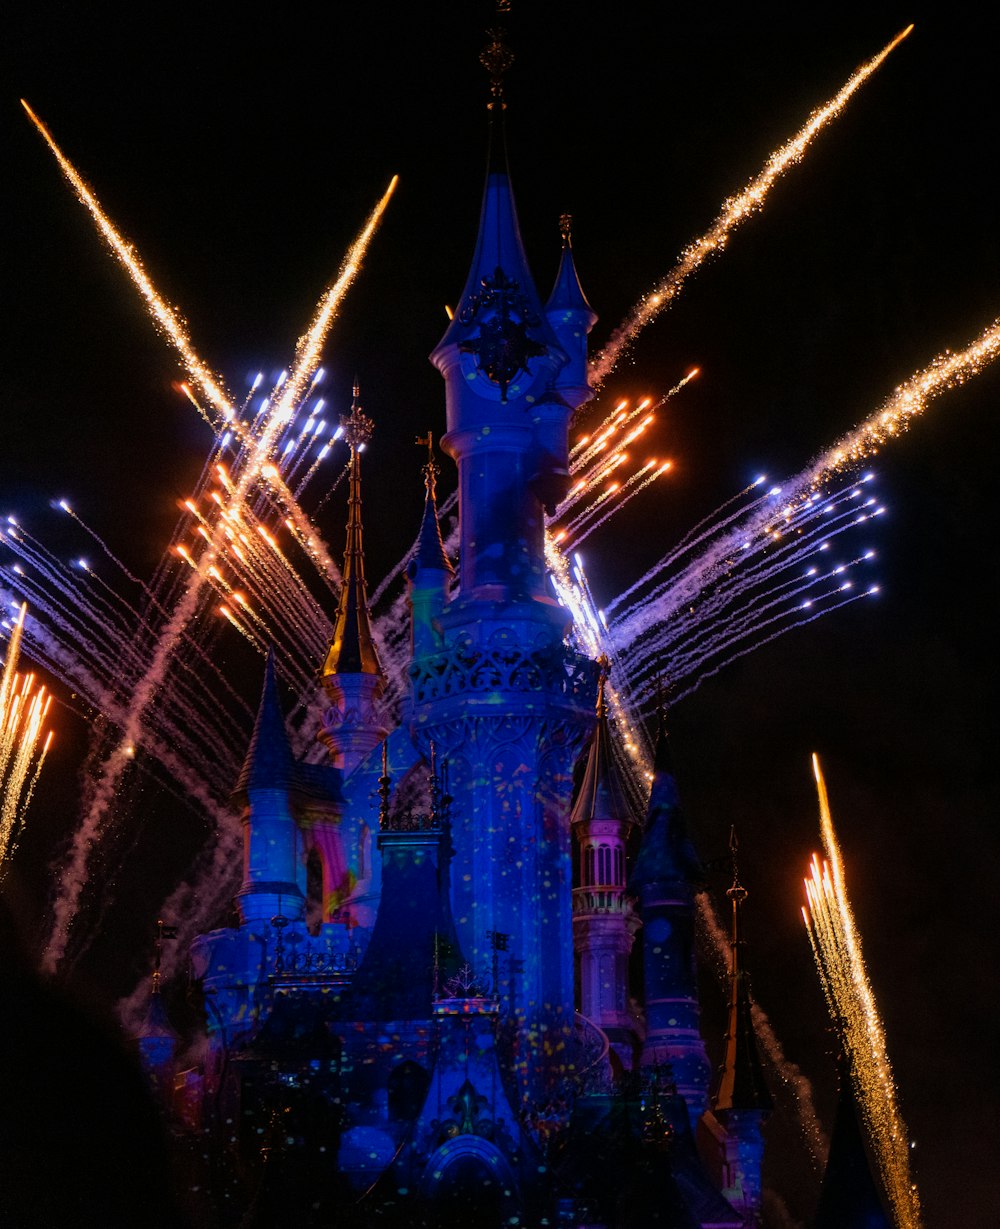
x=304, y=962
x=601, y=898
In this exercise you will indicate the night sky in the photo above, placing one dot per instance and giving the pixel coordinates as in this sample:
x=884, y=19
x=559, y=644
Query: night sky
x=241, y=154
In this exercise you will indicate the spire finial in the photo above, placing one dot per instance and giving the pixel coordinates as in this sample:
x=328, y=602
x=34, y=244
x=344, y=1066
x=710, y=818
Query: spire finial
x=737, y=893
x=352, y=650
x=358, y=427
x=604, y=672
x=566, y=229
x=496, y=57
x=163, y=931
x=430, y=467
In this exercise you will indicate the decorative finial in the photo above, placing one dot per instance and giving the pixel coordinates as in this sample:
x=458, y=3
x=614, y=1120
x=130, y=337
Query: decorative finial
x=566, y=229
x=604, y=671
x=431, y=467
x=358, y=427
x=737, y=893
x=163, y=931
x=497, y=57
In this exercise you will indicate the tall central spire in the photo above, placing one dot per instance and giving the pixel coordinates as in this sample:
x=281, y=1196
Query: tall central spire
x=500, y=357
x=352, y=649
x=352, y=674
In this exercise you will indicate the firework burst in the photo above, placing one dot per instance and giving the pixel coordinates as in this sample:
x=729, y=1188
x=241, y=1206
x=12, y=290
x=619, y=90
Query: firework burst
x=734, y=212
x=836, y=946
x=24, y=707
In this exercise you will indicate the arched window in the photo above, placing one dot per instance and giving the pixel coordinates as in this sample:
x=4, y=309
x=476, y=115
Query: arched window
x=604, y=864
x=588, y=866
x=619, y=867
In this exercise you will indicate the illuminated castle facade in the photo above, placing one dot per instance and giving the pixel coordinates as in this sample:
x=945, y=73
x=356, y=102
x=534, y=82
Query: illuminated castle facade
x=462, y=983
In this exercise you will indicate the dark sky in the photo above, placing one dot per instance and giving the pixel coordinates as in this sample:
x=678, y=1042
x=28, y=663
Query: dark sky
x=241, y=153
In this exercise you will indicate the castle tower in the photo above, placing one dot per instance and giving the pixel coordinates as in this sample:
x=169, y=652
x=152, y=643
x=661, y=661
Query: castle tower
x=741, y=1101
x=157, y=1039
x=430, y=571
x=352, y=674
x=604, y=924
x=851, y=1193
x=665, y=876
x=272, y=844
x=496, y=689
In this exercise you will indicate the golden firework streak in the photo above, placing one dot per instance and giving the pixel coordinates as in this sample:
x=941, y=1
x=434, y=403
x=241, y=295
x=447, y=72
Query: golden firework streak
x=911, y=398
x=836, y=946
x=164, y=316
x=734, y=211
x=22, y=718
x=258, y=457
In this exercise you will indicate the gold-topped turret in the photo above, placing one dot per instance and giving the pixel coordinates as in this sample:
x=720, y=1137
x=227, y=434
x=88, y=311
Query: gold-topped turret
x=352, y=648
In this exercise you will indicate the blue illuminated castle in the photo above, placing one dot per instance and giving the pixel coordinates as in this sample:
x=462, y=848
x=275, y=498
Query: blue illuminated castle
x=462, y=984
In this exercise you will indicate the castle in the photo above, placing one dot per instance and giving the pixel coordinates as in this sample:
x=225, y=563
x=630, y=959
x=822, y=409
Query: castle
x=462, y=985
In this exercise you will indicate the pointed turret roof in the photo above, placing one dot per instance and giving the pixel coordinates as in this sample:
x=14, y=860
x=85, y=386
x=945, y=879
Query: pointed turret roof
x=601, y=794
x=430, y=547
x=567, y=294
x=499, y=247
x=741, y=1079
x=268, y=763
x=156, y=1023
x=499, y=316
x=352, y=648
x=850, y=1194
x=666, y=854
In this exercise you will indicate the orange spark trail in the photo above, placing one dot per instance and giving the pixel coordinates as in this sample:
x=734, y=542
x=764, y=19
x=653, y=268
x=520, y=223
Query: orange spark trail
x=258, y=452
x=23, y=710
x=163, y=315
x=836, y=946
x=734, y=211
x=946, y=371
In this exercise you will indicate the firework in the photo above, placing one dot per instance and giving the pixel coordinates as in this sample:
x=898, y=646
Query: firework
x=946, y=371
x=223, y=539
x=836, y=946
x=734, y=211
x=23, y=709
x=164, y=316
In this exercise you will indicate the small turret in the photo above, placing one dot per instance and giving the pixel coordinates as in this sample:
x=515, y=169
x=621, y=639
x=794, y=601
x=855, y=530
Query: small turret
x=430, y=569
x=271, y=842
x=604, y=924
x=157, y=1038
x=572, y=318
x=666, y=875
x=352, y=674
x=850, y=1194
x=396, y=979
x=741, y=1101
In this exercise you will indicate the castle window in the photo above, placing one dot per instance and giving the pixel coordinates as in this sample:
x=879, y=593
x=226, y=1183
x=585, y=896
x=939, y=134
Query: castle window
x=619, y=868
x=588, y=866
x=604, y=864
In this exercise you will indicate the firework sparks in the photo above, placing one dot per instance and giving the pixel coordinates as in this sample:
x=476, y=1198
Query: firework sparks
x=23, y=709
x=164, y=316
x=734, y=211
x=836, y=946
x=720, y=564
x=255, y=457
x=946, y=371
